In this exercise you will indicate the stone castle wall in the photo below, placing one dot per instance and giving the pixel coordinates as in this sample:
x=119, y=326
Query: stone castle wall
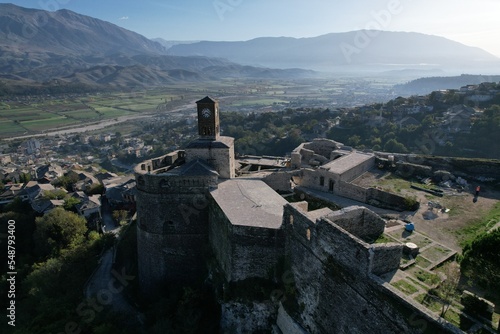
x=336, y=290
x=359, y=221
x=172, y=229
x=219, y=155
x=464, y=167
x=244, y=251
x=353, y=191
x=387, y=200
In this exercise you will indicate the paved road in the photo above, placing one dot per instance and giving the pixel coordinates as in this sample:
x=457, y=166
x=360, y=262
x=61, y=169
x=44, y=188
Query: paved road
x=102, y=124
x=105, y=289
x=109, y=224
x=106, y=284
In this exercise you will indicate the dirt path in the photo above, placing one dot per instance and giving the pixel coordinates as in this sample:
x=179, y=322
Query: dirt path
x=443, y=227
x=439, y=226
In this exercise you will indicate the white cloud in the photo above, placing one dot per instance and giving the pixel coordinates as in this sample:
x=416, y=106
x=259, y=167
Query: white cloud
x=123, y=18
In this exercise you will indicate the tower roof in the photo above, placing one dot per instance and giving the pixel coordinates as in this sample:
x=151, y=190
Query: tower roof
x=206, y=99
x=194, y=168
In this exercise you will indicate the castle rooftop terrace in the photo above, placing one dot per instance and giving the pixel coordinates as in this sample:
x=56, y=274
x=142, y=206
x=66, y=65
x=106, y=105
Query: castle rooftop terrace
x=248, y=202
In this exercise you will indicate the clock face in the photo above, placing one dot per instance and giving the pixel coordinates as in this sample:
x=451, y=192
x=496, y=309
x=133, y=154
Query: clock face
x=206, y=113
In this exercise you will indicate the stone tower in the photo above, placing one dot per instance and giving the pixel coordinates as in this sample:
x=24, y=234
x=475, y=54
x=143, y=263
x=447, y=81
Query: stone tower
x=172, y=204
x=216, y=150
x=208, y=119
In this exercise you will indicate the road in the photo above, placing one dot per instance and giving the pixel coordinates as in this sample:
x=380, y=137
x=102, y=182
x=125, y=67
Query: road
x=106, y=284
x=102, y=124
x=108, y=223
x=105, y=288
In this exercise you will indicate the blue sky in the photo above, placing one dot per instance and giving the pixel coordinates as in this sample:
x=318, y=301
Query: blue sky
x=474, y=23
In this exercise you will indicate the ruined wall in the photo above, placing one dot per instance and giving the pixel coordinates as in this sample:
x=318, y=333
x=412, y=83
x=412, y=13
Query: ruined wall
x=352, y=191
x=334, y=289
x=280, y=181
x=322, y=146
x=161, y=162
x=385, y=257
x=359, y=221
x=464, y=167
x=384, y=199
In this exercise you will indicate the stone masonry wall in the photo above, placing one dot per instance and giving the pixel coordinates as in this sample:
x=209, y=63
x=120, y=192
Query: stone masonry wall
x=220, y=230
x=352, y=191
x=256, y=252
x=311, y=179
x=464, y=167
x=244, y=251
x=385, y=258
x=221, y=159
x=172, y=229
x=356, y=171
x=243, y=318
x=334, y=289
x=384, y=199
x=280, y=181
x=359, y=221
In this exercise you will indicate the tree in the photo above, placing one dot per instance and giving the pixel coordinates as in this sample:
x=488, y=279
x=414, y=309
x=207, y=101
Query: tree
x=393, y=145
x=120, y=215
x=354, y=140
x=54, y=194
x=57, y=230
x=447, y=290
x=481, y=260
x=70, y=203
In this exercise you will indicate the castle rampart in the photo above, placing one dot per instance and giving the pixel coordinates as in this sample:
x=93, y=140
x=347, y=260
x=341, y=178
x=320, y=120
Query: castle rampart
x=337, y=290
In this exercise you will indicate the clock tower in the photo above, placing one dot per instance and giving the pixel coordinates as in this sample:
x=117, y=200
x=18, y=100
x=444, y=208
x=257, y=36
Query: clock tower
x=208, y=119
x=215, y=150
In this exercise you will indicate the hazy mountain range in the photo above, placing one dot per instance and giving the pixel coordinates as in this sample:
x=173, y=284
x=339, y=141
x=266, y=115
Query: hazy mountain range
x=350, y=51
x=65, y=48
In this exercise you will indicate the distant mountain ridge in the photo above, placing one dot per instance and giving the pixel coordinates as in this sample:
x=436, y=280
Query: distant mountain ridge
x=62, y=48
x=68, y=33
x=40, y=48
x=385, y=50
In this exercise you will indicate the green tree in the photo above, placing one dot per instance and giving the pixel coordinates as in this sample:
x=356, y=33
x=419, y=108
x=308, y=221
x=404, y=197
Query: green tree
x=393, y=145
x=120, y=215
x=57, y=230
x=70, y=203
x=354, y=140
x=481, y=260
x=54, y=194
